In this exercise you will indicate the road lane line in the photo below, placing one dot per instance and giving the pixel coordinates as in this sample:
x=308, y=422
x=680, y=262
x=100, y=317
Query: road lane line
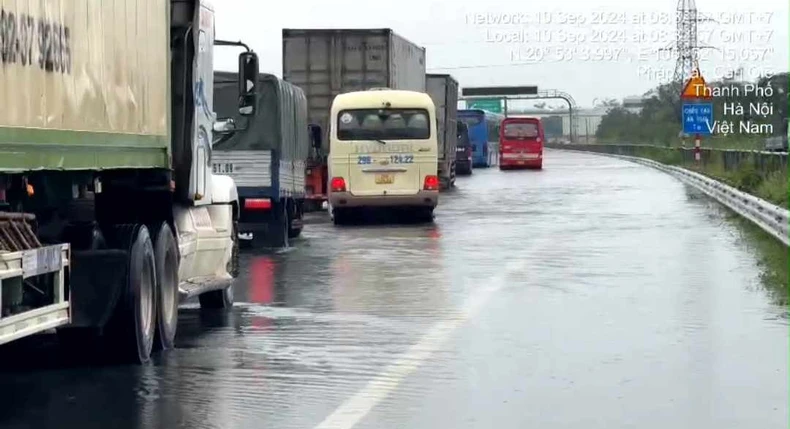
x=353, y=410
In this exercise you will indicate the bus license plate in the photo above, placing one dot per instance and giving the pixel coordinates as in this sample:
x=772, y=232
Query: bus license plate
x=384, y=179
x=530, y=156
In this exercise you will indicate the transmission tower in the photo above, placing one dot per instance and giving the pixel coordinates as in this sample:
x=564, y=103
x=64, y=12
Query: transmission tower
x=686, y=44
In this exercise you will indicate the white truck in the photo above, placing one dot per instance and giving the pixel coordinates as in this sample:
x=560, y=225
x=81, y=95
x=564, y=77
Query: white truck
x=110, y=214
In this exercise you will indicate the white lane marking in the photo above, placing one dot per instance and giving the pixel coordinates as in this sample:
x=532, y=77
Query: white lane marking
x=353, y=410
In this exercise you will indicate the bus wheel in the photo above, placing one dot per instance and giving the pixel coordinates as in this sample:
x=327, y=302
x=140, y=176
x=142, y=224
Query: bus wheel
x=424, y=215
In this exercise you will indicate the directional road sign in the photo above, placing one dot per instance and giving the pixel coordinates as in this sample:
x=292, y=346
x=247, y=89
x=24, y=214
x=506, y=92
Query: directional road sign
x=697, y=118
x=491, y=104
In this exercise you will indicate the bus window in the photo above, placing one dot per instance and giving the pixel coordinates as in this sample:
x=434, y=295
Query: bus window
x=384, y=124
x=493, y=131
x=471, y=121
x=521, y=130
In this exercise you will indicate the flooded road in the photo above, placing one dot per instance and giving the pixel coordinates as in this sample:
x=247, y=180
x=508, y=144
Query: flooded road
x=593, y=294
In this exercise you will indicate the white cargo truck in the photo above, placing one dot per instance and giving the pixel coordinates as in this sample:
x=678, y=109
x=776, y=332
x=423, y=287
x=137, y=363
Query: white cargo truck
x=110, y=214
x=443, y=90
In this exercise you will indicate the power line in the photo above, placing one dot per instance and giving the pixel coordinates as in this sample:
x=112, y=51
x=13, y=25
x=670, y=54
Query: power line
x=483, y=66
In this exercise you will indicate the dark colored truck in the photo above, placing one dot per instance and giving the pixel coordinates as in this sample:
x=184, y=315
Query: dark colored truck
x=463, y=151
x=265, y=154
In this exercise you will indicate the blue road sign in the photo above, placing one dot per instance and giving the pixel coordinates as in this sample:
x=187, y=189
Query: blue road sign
x=697, y=118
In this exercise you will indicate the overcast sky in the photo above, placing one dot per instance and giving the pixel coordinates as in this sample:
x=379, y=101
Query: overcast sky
x=462, y=36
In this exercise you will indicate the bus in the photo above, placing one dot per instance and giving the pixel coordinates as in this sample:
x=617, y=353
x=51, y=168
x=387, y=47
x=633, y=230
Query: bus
x=521, y=143
x=383, y=153
x=484, y=135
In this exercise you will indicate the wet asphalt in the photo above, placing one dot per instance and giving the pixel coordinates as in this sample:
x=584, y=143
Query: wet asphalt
x=593, y=294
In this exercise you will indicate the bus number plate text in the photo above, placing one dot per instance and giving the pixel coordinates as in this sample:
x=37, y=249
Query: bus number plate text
x=384, y=179
x=402, y=159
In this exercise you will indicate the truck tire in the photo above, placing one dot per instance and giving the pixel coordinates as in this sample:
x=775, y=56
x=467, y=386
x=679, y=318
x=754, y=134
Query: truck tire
x=167, y=260
x=277, y=233
x=223, y=298
x=133, y=324
x=295, y=213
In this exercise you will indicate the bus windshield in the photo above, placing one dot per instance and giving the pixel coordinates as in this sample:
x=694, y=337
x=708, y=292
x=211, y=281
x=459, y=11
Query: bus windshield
x=521, y=130
x=383, y=124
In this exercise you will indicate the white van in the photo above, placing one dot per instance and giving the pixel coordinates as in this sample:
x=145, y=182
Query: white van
x=383, y=153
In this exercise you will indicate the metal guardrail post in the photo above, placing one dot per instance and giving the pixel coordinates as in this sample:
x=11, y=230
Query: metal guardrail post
x=697, y=150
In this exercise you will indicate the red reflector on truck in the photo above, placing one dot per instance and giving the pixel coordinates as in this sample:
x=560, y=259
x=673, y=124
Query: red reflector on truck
x=258, y=204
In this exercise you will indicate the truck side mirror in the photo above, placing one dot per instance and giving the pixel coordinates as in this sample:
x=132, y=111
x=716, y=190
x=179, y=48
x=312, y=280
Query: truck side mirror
x=316, y=136
x=248, y=79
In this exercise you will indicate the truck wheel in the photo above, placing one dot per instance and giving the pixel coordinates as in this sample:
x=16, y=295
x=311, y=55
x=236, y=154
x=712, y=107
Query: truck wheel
x=223, y=298
x=133, y=324
x=277, y=233
x=296, y=213
x=167, y=260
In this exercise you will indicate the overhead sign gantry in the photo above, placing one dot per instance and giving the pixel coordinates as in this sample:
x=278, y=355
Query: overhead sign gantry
x=505, y=93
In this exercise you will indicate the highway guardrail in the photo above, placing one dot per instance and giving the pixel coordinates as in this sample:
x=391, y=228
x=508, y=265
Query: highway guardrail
x=768, y=216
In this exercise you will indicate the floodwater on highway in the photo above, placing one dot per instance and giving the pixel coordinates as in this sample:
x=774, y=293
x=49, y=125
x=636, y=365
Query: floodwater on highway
x=593, y=294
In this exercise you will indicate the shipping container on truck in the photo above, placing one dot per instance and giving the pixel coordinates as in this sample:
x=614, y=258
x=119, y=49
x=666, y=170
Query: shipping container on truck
x=265, y=155
x=443, y=90
x=109, y=211
x=328, y=62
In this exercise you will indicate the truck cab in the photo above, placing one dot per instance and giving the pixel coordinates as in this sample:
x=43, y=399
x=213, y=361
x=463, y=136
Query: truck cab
x=109, y=235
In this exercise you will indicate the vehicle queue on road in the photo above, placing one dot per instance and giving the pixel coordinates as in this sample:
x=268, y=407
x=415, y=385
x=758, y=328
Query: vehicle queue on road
x=391, y=142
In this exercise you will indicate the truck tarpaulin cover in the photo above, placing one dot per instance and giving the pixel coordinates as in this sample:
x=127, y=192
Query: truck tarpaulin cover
x=280, y=120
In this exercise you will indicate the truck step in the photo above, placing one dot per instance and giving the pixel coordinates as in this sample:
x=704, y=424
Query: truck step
x=197, y=286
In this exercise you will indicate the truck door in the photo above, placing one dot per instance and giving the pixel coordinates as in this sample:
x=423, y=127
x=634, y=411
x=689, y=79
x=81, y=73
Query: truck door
x=203, y=72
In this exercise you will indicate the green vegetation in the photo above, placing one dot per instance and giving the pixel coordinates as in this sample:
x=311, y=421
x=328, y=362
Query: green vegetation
x=659, y=120
x=771, y=186
x=772, y=257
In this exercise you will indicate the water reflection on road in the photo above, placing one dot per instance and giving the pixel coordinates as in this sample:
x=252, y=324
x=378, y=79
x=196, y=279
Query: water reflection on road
x=618, y=298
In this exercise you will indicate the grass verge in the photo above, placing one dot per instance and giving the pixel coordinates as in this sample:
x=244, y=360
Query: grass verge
x=772, y=258
x=771, y=186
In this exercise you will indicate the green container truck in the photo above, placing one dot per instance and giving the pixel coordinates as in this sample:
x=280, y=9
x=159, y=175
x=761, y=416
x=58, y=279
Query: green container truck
x=110, y=213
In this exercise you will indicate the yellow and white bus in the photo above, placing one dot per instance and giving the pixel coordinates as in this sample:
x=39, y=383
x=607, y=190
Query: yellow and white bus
x=383, y=153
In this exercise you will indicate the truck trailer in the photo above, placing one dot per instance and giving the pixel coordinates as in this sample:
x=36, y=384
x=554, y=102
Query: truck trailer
x=328, y=62
x=443, y=90
x=111, y=214
x=265, y=154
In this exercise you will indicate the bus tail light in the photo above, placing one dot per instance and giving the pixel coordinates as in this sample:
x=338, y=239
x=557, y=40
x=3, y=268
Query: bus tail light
x=338, y=184
x=431, y=183
x=257, y=204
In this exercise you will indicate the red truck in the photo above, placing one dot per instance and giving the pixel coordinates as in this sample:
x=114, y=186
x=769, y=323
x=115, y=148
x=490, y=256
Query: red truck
x=521, y=143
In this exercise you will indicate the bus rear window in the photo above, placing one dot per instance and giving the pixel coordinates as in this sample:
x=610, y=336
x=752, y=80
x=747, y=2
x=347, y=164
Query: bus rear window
x=471, y=121
x=383, y=124
x=516, y=130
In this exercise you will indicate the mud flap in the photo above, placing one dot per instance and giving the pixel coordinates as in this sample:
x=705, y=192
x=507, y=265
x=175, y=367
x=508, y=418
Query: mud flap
x=96, y=284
